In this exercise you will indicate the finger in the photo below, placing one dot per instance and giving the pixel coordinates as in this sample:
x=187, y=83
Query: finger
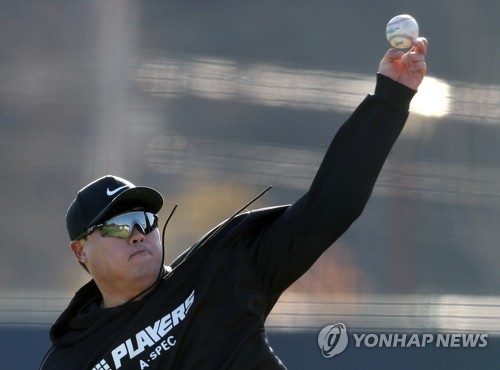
x=418, y=70
x=414, y=58
x=392, y=54
x=418, y=66
x=420, y=45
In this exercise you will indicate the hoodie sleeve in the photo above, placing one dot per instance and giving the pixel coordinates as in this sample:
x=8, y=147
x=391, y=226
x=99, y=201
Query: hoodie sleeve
x=340, y=190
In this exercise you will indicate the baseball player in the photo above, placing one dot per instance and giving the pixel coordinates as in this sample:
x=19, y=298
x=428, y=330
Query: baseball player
x=207, y=310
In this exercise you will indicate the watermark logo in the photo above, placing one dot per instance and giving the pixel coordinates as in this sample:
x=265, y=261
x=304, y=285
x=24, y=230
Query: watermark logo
x=332, y=340
x=401, y=340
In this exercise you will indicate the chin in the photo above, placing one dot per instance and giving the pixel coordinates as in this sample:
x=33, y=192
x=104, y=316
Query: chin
x=147, y=272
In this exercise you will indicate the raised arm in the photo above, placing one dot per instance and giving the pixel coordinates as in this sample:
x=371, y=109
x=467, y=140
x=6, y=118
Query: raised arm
x=347, y=174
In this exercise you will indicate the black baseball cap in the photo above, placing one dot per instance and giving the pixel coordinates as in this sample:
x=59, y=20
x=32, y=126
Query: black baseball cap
x=106, y=197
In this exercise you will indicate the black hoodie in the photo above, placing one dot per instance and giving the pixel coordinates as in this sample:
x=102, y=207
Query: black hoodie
x=208, y=309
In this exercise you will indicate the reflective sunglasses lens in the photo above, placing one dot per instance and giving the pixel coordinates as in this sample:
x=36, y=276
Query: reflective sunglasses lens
x=117, y=231
x=122, y=226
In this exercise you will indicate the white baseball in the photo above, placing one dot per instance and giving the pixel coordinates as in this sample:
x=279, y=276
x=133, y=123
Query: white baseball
x=401, y=30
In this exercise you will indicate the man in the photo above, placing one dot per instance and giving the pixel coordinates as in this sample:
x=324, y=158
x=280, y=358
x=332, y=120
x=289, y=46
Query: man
x=207, y=310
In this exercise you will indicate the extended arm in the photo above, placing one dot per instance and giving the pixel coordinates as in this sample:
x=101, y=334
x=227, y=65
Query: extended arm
x=346, y=177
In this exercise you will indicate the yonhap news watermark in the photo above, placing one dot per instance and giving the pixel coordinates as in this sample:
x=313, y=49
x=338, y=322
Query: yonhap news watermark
x=333, y=340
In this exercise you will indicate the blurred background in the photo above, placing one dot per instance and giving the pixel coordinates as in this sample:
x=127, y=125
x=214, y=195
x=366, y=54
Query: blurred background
x=211, y=102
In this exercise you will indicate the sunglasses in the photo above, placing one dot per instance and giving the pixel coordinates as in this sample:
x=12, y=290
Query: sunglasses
x=122, y=225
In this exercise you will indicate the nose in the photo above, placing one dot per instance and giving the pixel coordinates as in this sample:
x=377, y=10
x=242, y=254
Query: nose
x=137, y=235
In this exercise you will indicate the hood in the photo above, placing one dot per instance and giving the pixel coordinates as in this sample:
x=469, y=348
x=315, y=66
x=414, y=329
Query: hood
x=84, y=317
x=79, y=318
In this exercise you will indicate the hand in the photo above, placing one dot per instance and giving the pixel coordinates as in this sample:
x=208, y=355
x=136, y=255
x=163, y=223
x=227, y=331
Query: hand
x=406, y=68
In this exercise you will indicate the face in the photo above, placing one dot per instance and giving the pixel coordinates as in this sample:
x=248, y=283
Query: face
x=121, y=264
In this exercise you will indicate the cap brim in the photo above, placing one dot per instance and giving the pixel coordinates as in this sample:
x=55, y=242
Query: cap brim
x=138, y=197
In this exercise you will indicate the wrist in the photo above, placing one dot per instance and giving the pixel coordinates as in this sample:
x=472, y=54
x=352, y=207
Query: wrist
x=392, y=92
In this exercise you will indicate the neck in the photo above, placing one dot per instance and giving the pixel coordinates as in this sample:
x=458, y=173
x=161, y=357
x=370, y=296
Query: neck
x=114, y=300
x=117, y=293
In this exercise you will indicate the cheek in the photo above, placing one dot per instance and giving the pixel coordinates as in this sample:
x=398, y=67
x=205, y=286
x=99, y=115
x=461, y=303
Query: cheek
x=155, y=242
x=105, y=258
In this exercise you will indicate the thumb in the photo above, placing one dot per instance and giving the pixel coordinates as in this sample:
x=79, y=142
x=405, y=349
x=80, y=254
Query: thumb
x=387, y=65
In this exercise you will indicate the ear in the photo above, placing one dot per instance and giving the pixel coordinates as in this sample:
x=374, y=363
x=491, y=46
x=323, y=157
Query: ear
x=78, y=251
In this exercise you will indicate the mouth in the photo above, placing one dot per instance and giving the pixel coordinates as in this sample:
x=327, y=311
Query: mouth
x=138, y=253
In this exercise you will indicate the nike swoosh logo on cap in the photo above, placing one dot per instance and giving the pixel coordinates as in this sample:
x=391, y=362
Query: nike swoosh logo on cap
x=113, y=192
